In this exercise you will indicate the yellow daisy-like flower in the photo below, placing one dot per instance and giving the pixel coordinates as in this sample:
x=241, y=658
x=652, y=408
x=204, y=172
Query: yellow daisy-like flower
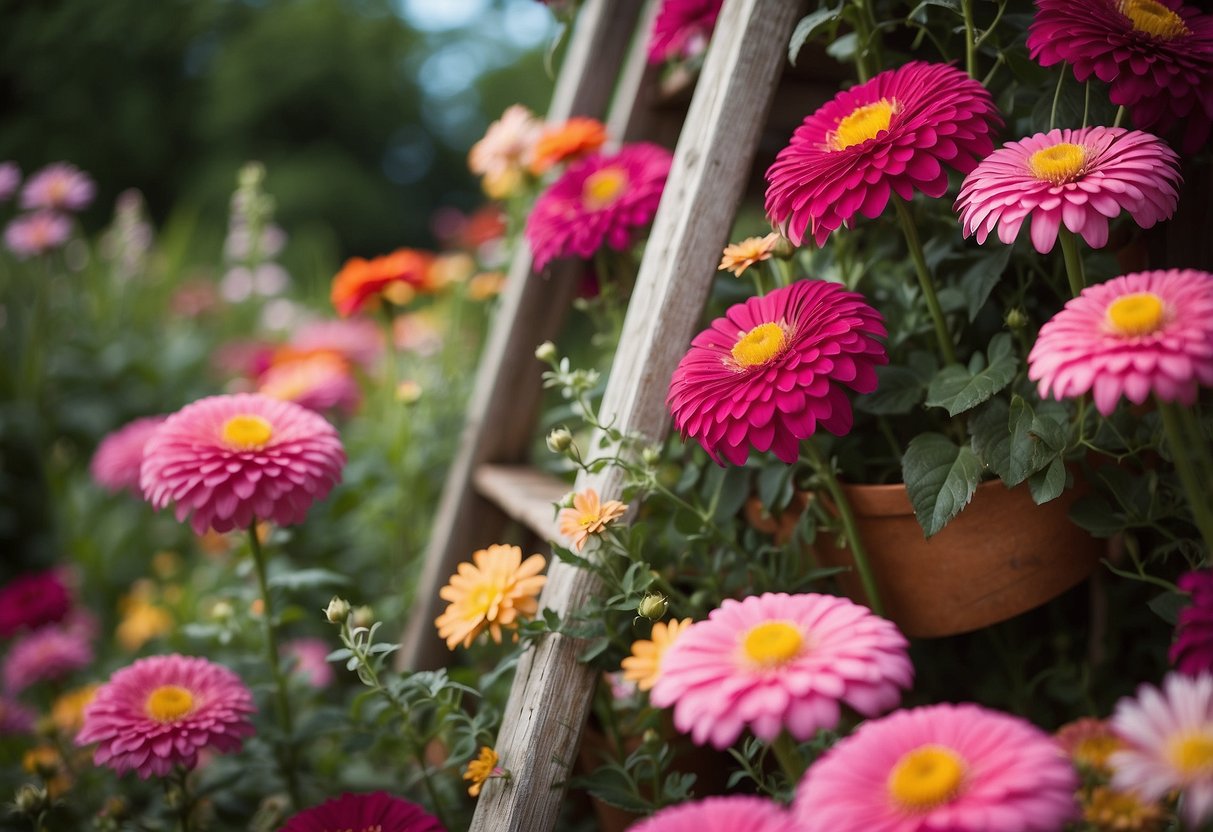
x=588, y=516
x=141, y=622
x=481, y=769
x=1089, y=742
x=1108, y=810
x=67, y=712
x=491, y=593
x=644, y=665
x=740, y=256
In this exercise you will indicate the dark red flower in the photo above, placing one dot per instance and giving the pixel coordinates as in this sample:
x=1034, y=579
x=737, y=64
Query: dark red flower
x=1192, y=652
x=375, y=812
x=31, y=600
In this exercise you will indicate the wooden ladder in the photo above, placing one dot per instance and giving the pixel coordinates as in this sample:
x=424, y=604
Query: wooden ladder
x=488, y=484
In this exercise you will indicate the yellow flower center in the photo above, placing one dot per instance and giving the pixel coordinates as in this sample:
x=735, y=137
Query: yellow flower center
x=1137, y=314
x=246, y=431
x=603, y=187
x=482, y=599
x=926, y=777
x=772, y=643
x=862, y=124
x=1153, y=18
x=1192, y=755
x=1060, y=163
x=168, y=703
x=759, y=345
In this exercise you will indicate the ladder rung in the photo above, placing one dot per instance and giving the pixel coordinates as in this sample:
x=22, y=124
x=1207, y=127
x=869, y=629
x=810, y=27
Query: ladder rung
x=525, y=494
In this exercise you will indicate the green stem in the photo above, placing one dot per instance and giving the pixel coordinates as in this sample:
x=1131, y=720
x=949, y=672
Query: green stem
x=787, y=752
x=1069, y=250
x=1061, y=77
x=286, y=756
x=1120, y=116
x=1189, y=474
x=970, y=41
x=854, y=542
x=947, y=351
x=419, y=753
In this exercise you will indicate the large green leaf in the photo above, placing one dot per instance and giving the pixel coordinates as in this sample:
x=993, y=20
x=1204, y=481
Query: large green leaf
x=898, y=390
x=941, y=477
x=958, y=388
x=807, y=26
x=1036, y=440
x=980, y=279
x=991, y=433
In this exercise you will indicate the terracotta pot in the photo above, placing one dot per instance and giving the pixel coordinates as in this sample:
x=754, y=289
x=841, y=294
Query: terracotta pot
x=1001, y=556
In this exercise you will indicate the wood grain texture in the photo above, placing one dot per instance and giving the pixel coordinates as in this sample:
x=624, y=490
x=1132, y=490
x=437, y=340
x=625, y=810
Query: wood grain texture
x=525, y=494
x=550, y=697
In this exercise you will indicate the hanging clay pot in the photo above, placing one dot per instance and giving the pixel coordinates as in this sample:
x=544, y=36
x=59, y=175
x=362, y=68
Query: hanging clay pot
x=1001, y=556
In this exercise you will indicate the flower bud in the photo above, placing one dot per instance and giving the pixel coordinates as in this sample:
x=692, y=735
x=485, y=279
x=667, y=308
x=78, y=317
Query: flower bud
x=222, y=611
x=362, y=616
x=650, y=456
x=1016, y=318
x=546, y=352
x=784, y=249
x=31, y=800
x=337, y=611
x=560, y=440
x=653, y=606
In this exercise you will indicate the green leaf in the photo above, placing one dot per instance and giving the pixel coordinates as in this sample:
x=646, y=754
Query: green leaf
x=919, y=14
x=1095, y=514
x=958, y=388
x=980, y=279
x=1035, y=442
x=898, y=390
x=843, y=49
x=1168, y=604
x=807, y=27
x=940, y=477
x=611, y=786
x=991, y=436
x=1048, y=484
x=298, y=579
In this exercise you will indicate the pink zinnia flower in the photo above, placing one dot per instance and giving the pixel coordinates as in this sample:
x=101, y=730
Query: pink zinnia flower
x=59, y=187
x=31, y=600
x=1192, y=652
x=604, y=199
x=1155, y=55
x=1078, y=177
x=1141, y=333
x=720, y=814
x=319, y=382
x=116, y=462
x=959, y=768
x=311, y=660
x=893, y=134
x=15, y=718
x=773, y=369
x=358, y=340
x=779, y=662
x=159, y=712
x=1169, y=739
x=45, y=655
x=230, y=459
x=682, y=29
x=359, y=812
x=32, y=234
x=10, y=178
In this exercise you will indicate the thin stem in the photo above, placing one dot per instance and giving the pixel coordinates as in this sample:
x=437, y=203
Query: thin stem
x=1002, y=7
x=1189, y=474
x=970, y=41
x=286, y=756
x=418, y=753
x=787, y=753
x=854, y=542
x=1086, y=103
x=1120, y=116
x=947, y=351
x=1061, y=77
x=1074, y=270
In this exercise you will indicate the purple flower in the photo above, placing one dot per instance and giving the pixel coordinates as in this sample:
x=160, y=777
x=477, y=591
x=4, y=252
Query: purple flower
x=60, y=186
x=10, y=178
x=32, y=234
x=45, y=655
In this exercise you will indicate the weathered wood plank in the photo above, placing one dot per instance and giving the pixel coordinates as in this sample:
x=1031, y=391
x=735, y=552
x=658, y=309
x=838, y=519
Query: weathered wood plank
x=525, y=494
x=550, y=697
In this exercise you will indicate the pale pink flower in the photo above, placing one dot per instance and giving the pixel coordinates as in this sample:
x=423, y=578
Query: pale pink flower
x=58, y=187
x=501, y=156
x=116, y=462
x=311, y=660
x=45, y=655
x=358, y=340
x=10, y=178
x=32, y=234
x=720, y=814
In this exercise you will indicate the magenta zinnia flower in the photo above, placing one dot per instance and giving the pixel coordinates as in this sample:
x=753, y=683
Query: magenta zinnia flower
x=1169, y=739
x=604, y=199
x=230, y=459
x=1081, y=178
x=779, y=662
x=37, y=233
x=58, y=187
x=32, y=600
x=959, y=768
x=377, y=811
x=1141, y=333
x=1155, y=55
x=720, y=814
x=159, y=712
x=895, y=133
x=116, y=462
x=1192, y=652
x=682, y=29
x=774, y=368
x=45, y=655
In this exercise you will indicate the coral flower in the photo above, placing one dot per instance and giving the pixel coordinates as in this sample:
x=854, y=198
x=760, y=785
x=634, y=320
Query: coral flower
x=47, y=654
x=500, y=157
x=560, y=143
x=1192, y=652
x=32, y=600
x=58, y=187
x=1108, y=809
x=588, y=516
x=159, y=712
x=230, y=459
x=311, y=660
x=600, y=200
x=481, y=769
x=1089, y=743
x=491, y=593
x=1141, y=333
x=643, y=667
x=320, y=382
x=1081, y=178
x=397, y=276
x=1155, y=55
x=740, y=256
x=1169, y=738
x=779, y=662
x=773, y=369
x=682, y=29
x=720, y=814
x=32, y=234
x=375, y=812
x=959, y=768
x=116, y=462
x=893, y=134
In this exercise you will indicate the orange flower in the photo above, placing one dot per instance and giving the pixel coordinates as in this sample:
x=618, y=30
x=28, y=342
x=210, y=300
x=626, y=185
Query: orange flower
x=397, y=276
x=588, y=516
x=740, y=256
x=1109, y=810
x=481, y=769
x=491, y=593
x=1089, y=742
x=486, y=285
x=644, y=665
x=67, y=712
x=565, y=142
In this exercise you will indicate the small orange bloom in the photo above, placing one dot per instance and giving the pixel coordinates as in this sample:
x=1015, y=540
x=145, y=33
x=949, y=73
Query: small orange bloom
x=1089, y=742
x=486, y=285
x=644, y=665
x=1106, y=809
x=565, y=142
x=397, y=276
x=588, y=516
x=481, y=769
x=67, y=712
x=491, y=593
x=740, y=256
